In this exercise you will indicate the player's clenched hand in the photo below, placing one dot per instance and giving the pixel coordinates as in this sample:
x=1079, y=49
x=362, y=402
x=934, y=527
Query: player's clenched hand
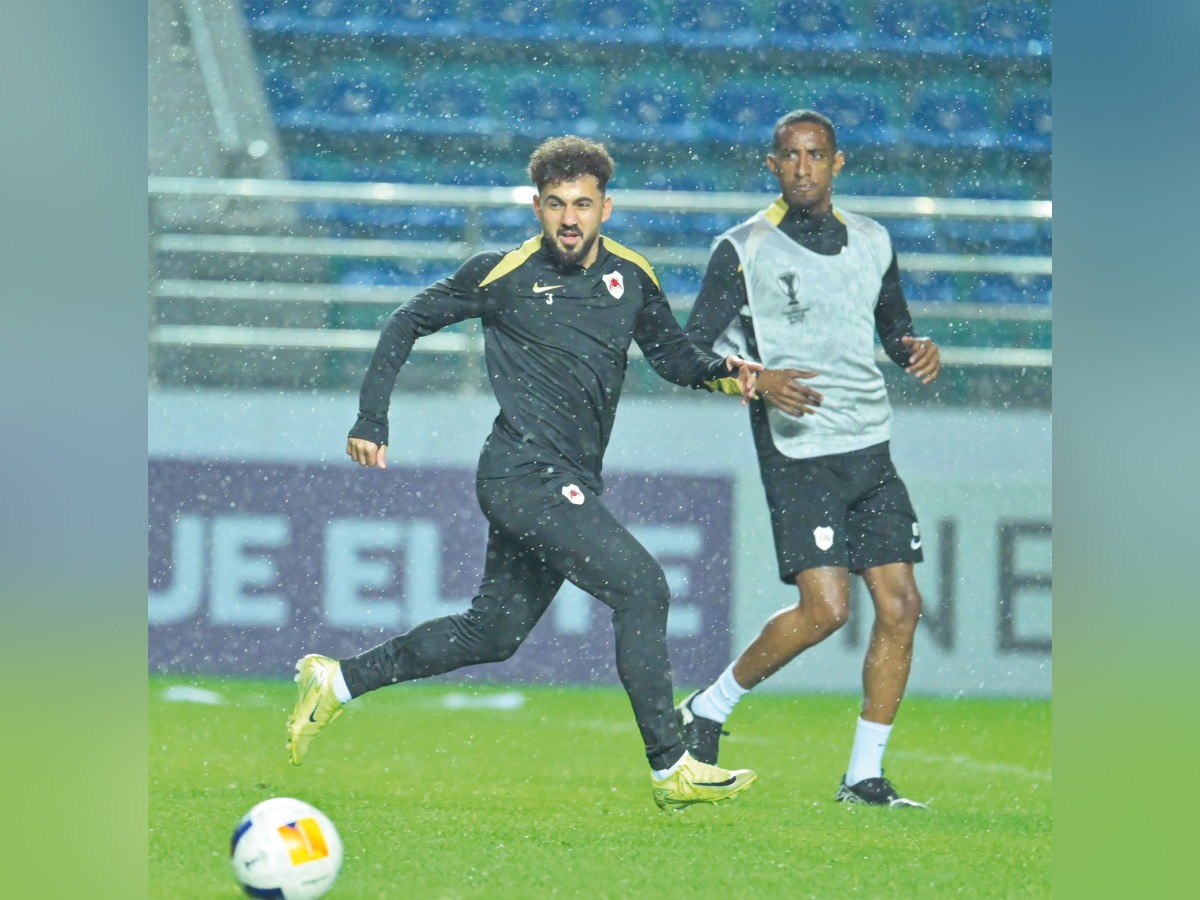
x=367, y=453
x=782, y=389
x=747, y=375
x=924, y=360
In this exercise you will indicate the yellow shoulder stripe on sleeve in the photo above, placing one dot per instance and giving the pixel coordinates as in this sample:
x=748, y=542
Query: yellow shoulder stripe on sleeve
x=776, y=211
x=837, y=212
x=636, y=258
x=513, y=260
x=724, y=386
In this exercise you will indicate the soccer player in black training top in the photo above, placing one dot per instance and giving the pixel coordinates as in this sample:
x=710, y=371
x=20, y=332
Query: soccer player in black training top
x=558, y=314
x=804, y=288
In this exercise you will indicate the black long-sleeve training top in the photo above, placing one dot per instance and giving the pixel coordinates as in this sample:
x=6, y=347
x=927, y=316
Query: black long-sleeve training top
x=556, y=342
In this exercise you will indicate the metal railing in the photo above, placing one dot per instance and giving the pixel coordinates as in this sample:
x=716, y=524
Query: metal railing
x=214, y=197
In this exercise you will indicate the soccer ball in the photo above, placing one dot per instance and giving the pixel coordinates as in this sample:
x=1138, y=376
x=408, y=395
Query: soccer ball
x=285, y=848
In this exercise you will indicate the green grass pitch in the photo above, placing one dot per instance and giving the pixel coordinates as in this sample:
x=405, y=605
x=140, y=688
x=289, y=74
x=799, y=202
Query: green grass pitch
x=439, y=791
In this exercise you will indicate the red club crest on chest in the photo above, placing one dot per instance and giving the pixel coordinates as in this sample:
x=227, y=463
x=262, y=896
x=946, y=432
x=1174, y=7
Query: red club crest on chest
x=615, y=283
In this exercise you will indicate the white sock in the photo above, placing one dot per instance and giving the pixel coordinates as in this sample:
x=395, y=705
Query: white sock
x=866, y=759
x=722, y=696
x=660, y=774
x=339, y=686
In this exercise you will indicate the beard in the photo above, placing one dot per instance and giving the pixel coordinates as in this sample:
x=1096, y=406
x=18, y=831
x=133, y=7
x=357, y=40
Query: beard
x=571, y=256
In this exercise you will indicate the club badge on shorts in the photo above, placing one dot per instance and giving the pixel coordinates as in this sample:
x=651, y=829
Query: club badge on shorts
x=573, y=493
x=823, y=536
x=615, y=283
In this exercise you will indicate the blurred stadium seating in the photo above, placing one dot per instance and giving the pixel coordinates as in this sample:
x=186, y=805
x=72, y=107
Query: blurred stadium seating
x=918, y=27
x=821, y=25
x=650, y=111
x=514, y=20
x=710, y=24
x=1008, y=28
x=613, y=21
x=953, y=117
x=932, y=99
x=1028, y=124
x=744, y=113
x=861, y=114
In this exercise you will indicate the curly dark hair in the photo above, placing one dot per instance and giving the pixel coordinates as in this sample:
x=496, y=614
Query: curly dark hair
x=567, y=158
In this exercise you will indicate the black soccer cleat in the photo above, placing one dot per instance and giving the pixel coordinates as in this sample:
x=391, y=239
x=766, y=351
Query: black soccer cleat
x=874, y=792
x=701, y=736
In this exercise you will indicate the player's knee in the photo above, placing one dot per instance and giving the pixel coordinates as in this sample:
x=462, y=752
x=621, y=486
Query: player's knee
x=645, y=589
x=492, y=635
x=836, y=615
x=827, y=614
x=503, y=646
x=900, y=611
x=658, y=593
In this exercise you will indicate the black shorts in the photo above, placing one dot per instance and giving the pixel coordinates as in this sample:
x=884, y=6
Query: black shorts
x=849, y=510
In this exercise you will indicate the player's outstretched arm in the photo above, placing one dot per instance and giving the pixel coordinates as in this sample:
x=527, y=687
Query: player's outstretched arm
x=783, y=390
x=367, y=453
x=924, y=360
x=747, y=375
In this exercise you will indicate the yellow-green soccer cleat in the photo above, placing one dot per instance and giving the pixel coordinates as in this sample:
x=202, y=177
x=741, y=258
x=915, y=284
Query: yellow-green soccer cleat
x=697, y=782
x=316, y=704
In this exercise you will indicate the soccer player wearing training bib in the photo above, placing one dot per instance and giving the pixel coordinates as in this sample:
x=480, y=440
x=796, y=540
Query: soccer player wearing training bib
x=559, y=314
x=804, y=288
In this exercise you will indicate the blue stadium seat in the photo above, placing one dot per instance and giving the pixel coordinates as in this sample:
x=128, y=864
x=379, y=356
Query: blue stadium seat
x=952, y=118
x=688, y=178
x=1019, y=237
x=861, y=116
x=369, y=220
x=1028, y=125
x=417, y=18
x=824, y=25
x=928, y=287
x=651, y=112
x=542, y=109
x=721, y=24
x=284, y=90
x=743, y=113
x=515, y=20
x=414, y=273
x=344, y=100
x=511, y=225
x=679, y=281
x=615, y=21
x=757, y=179
x=1008, y=237
x=914, y=234
x=669, y=227
x=324, y=166
x=444, y=105
x=999, y=289
x=854, y=182
x=917, y=26
x=985, y=185
x=256, y=9
x=1009, y=28
x=307, y=17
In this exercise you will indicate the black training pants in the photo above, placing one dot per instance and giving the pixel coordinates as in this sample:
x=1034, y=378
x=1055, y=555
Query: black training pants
x=545, y=529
